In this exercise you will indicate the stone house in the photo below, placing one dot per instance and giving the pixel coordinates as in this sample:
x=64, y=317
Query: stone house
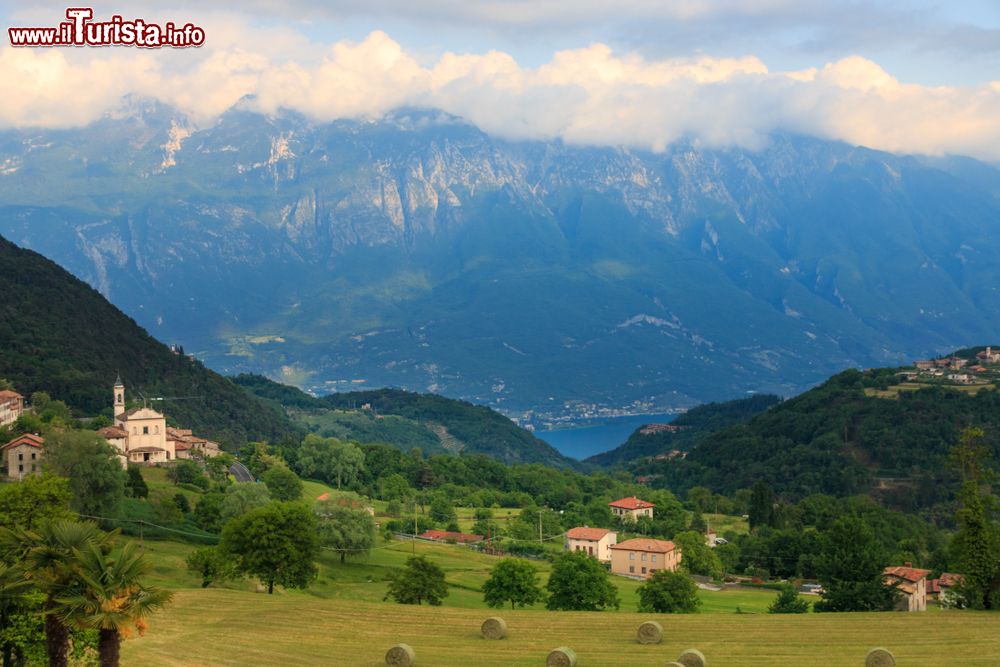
x=911, y=582
x=22, y=456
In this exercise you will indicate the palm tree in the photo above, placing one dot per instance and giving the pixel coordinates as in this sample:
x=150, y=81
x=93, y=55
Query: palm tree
x=13, y=586
x=110, y=597
x=48, y=557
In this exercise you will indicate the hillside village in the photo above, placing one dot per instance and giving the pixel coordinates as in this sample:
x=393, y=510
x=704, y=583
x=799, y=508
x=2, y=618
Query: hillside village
x=140, y=435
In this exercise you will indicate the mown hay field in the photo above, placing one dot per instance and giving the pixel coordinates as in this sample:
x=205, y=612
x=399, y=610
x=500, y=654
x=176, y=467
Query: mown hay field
x=230, y=627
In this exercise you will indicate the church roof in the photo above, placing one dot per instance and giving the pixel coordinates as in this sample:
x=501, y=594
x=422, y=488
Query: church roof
x=129, y=414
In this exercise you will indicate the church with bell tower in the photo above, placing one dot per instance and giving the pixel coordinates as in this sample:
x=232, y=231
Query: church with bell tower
x=139, y=434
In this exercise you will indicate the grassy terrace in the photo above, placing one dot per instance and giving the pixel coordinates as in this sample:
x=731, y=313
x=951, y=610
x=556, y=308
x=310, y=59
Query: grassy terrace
x=228, y=627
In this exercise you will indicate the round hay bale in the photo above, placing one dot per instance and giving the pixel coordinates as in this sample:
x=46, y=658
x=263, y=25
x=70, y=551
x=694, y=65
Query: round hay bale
x=673, y=664
x=692, y=658
x=400, y=655
x=494, y=628
x=880, y=657
x=650, y=632
x=563, y=656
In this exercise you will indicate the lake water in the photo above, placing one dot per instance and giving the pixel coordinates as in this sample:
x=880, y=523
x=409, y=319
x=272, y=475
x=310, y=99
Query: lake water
x=603, y=435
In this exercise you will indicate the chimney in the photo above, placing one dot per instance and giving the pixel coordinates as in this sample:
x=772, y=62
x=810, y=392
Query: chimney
x=907, y=564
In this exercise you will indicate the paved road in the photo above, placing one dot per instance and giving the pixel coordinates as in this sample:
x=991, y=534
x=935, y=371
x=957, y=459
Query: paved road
x=240, y=472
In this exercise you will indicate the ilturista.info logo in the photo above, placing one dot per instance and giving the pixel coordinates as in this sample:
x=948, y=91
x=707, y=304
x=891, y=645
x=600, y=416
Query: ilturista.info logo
x=80, y=29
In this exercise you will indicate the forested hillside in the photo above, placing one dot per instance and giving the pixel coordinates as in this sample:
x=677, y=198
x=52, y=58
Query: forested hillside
x=690, y=428
x=427, y=421
x=59, y=335
x=835, y=439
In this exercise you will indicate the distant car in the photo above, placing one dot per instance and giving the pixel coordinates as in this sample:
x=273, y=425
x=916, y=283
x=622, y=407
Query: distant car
x=811, y=589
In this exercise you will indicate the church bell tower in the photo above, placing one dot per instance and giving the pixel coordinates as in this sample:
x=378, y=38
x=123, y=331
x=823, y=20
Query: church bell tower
x=119, y=397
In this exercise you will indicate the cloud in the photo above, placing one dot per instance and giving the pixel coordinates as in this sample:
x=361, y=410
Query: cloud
x=589, y=95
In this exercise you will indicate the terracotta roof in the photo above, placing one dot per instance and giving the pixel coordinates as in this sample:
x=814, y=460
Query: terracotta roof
x=446, y=535
x=180, y=446
x=7, y=393
x=145, y=450
x=949, y=579
x=585, y=533
x=112, y=432
x=26, y=439
x=646, y=544
x=933, y=586
x=913, y=574
x=632, y=503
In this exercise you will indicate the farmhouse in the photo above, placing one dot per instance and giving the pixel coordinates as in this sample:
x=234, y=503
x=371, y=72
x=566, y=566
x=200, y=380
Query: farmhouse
x=631, y=508
x=942, y=589
x=23, y=456
x=596, y=542
x=11, y=406
x=642, y=556
x=448, y=536
x=911, y=582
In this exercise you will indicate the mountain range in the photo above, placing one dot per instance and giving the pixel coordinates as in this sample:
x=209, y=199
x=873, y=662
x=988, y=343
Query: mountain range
x=540, y=278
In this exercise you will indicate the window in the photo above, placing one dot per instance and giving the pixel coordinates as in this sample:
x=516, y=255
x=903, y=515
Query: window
x=20, y=456
x=20, y=468
x=145, y=430
x=643, y=556
x=654, y=558
x=631, y=569
x=644, y=570
x=631, y=555
x=32, y=456
x=32, y=467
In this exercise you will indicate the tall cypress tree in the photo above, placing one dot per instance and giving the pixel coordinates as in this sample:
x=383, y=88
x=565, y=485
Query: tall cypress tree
x=976, y=543
x=761, y=505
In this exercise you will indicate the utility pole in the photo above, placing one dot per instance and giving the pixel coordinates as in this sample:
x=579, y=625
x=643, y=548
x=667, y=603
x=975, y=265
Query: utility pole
x=540, y=528
x=414, y=541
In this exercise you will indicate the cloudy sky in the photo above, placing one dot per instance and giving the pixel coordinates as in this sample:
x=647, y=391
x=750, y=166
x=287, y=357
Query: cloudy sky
x=920, y=76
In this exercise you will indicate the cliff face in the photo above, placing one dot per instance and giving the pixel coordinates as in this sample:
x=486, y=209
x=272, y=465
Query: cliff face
x=418, y=251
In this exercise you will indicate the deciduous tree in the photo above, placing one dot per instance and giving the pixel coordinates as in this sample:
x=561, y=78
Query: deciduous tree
x=421, y=580
x=92, y=466
x=667, y=592
x=349, y=531
x=580, y=583
x=788, y=602
x=283, y=483
x=276, y=543
x=512, y=580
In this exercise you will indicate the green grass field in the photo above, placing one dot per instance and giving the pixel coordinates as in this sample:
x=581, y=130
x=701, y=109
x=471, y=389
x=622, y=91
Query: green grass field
x=341, y=619
x=227, y=627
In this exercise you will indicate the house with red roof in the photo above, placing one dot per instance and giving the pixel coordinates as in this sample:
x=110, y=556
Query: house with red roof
x=11, y=406
x=642, y=556
x=942, y=588
x=596, y=542
x=22, y=456
x=911, y=582
x=448, y=536
x=631, y=508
